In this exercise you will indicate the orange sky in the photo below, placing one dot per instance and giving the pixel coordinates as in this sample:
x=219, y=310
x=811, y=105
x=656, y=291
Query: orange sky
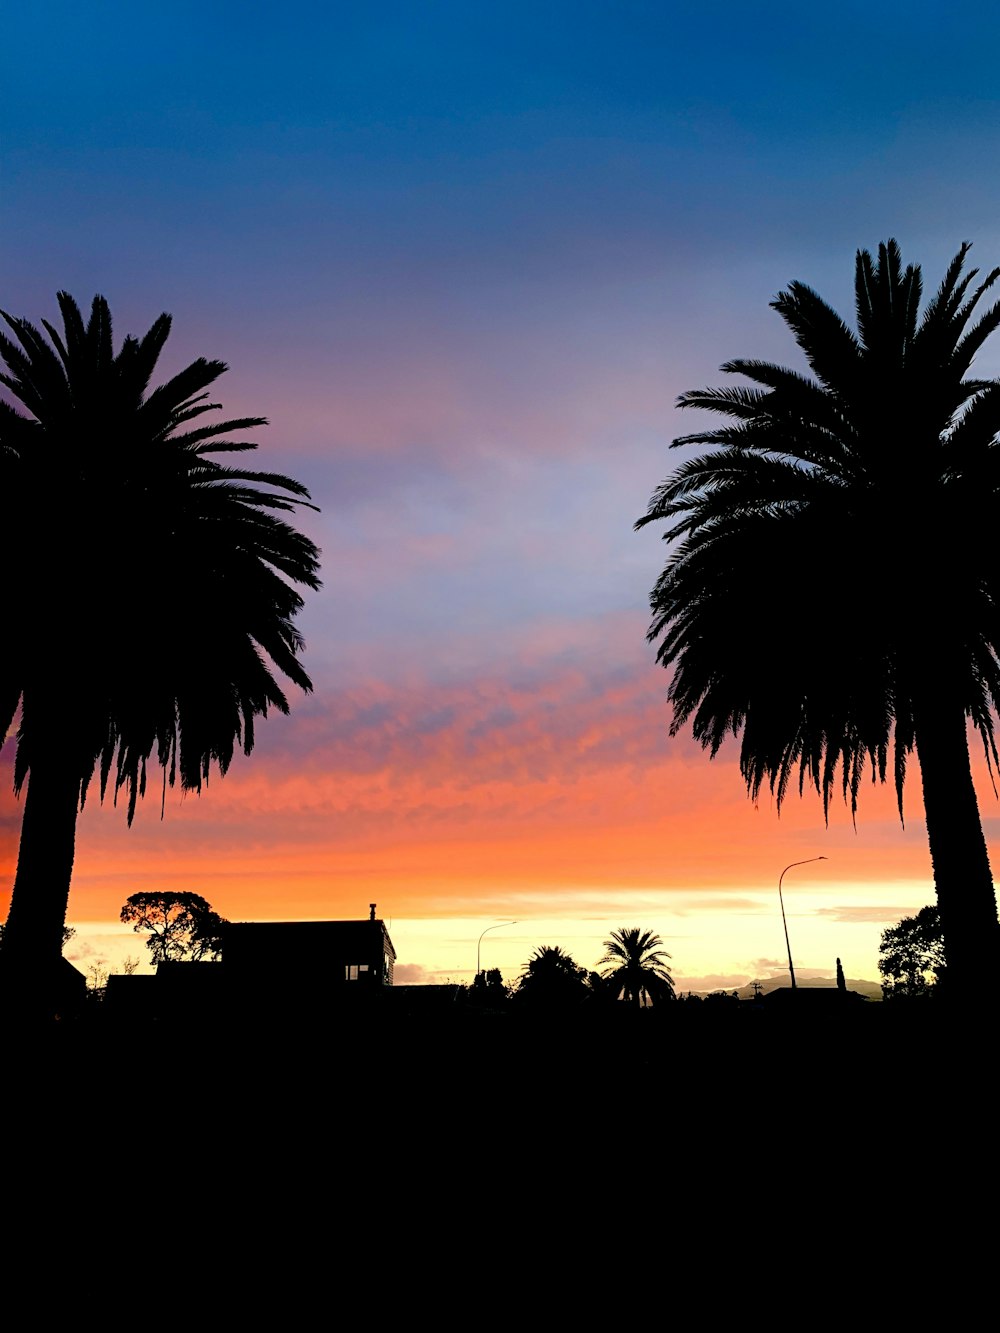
x=570, y=810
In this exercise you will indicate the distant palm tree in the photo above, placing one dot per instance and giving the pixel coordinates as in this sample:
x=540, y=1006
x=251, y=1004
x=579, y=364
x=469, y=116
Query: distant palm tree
x=832, y=592
x=551, y=978
x=149, y=594
x=638, y=968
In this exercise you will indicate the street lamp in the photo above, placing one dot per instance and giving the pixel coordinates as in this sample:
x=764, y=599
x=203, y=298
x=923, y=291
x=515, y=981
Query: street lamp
x=791, y=969
x=485, y=932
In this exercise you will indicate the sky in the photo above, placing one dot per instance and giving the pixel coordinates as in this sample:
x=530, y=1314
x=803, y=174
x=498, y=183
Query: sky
x=464, y=258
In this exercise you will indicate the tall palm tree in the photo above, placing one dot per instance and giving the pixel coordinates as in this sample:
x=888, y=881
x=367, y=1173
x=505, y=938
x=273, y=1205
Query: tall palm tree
x=638, y=967
x=833, y=596
x=150, y=593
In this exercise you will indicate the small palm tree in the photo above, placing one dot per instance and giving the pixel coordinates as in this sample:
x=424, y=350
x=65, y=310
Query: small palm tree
x=150, y=593
x=551, y=978
x=831, y=594
x=638, y=969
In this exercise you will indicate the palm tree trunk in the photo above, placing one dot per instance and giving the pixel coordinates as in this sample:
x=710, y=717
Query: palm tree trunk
x=962, y=875
x=31, y=954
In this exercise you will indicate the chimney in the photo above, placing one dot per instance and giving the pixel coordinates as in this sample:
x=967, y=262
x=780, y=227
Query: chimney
x=371, y=909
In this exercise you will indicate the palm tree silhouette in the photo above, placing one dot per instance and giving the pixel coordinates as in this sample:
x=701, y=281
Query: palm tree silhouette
x=832, y=597
x=552, y=978
x=638, y=968
x=153, y=603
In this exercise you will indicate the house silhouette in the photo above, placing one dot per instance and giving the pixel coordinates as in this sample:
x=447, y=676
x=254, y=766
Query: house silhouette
x=288, y=954
x=269, y=967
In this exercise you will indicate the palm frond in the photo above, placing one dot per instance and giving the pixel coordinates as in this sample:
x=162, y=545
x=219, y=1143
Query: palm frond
x=187, y=647
x=779, y=613
x=832, y=350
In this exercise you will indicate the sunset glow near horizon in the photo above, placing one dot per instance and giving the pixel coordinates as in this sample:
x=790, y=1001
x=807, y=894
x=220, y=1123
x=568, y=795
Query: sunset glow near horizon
x=464, y=259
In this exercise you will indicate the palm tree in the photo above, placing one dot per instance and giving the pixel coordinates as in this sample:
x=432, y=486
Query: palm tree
x=552, y=979
x=150, y=593
x=638, y=968
x=833, y=597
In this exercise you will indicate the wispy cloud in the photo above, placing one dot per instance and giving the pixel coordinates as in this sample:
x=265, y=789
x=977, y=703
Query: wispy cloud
x=868, y=912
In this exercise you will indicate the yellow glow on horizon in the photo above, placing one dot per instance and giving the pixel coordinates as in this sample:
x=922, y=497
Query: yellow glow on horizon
x=720, y=939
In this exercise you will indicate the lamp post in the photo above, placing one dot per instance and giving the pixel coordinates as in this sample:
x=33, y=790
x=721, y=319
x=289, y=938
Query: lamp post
x=791, y=969
x=485, y=932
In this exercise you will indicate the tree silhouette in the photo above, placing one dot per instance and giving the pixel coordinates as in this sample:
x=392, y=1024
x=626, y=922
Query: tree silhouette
x=638, y=969
x=908, y=952
x=552, y=979
x=182, y=927
x=154, y=599
x=488, y=990
x=831, y=595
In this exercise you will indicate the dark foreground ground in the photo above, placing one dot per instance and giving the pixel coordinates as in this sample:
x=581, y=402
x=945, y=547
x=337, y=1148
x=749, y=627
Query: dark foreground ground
x=386, y=1075
x=474, y=1167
